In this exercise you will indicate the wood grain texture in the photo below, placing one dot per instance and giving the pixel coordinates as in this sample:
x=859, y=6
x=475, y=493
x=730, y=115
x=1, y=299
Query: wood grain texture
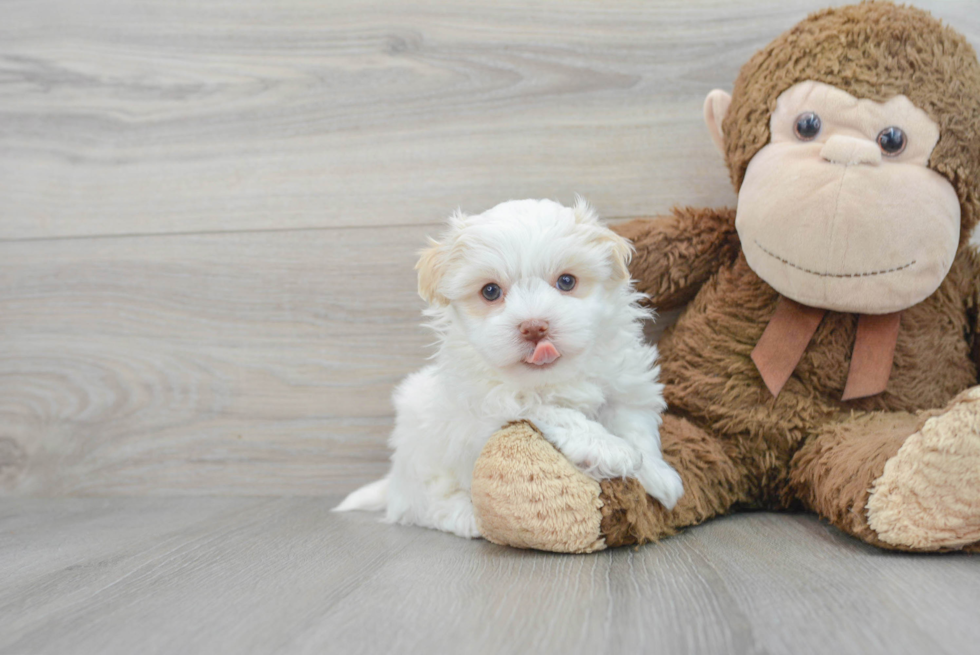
x=234, y=363
x=211, y=575
x=156, y=116
x=209, y=211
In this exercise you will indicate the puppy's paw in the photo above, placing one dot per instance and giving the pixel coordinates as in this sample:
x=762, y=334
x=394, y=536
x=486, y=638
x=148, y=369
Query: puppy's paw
x=456, y=515
x=661, y=481
x=466, y=526
x=611, y=457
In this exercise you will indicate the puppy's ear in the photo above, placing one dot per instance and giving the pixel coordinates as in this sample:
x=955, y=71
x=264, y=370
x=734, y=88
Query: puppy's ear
x=621, y=253
x=584, y=213
x=620, y=250
x=431, y=267
x=434, y=261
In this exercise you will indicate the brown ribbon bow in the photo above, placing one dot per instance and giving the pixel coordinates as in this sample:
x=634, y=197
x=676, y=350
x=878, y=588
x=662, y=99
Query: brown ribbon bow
x=793, y=326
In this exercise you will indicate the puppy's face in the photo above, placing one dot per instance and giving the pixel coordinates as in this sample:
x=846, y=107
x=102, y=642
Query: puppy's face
x=527, y=284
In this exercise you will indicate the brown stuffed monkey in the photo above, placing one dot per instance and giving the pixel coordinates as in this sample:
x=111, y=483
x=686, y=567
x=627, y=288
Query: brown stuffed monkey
x=828, y=353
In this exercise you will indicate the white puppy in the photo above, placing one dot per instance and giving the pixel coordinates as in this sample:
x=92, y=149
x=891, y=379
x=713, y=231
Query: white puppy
x=537, y=319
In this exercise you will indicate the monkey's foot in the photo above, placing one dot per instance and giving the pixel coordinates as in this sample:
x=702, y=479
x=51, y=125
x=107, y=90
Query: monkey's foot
x=527, y=494
x=928, y=497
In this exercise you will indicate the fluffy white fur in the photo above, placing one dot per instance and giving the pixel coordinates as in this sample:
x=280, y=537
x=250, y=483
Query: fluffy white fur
x=599, y=403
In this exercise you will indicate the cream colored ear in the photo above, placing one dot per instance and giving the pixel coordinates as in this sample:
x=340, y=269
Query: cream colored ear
x=622, y=253
x=431, y=267
x=584, y=213
x=715, y=108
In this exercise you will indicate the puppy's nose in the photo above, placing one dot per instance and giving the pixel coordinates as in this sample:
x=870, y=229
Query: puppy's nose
x=534, y=330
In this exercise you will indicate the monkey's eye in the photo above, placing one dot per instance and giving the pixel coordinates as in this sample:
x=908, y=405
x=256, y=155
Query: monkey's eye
x=807, y=126
x=565, y=282
x=892, y=141
x=491, y=291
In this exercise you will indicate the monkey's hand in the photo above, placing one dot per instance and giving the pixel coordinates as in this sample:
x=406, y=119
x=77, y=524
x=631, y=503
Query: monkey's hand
x=677, y=253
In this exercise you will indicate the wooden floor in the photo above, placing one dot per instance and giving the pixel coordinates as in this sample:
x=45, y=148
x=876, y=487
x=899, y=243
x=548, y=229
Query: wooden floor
x=239, y=575
x=209, y=213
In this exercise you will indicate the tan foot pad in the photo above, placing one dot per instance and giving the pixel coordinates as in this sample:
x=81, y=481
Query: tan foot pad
x=528, y=495
x=928, y=497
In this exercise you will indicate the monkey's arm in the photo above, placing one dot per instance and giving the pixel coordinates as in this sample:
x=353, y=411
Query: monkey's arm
x=677, y=253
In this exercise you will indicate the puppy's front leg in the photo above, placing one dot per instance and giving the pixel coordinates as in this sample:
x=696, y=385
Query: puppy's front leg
x=586, y=443
x=641, y=428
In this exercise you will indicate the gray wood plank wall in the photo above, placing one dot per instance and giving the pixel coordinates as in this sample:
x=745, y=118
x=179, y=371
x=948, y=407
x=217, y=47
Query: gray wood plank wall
x=209, y=210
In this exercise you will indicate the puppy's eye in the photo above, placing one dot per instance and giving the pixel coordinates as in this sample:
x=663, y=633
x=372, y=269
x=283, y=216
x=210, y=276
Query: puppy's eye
x=807, y=126
x=565, y=282
x=892, y=141
x=491, y=291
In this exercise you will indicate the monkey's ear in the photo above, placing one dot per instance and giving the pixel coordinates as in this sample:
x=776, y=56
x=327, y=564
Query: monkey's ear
x=715, y=107
x=431, y=267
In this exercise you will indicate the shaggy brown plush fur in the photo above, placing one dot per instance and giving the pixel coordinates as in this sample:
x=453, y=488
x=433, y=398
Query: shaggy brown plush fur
x=674, y=275
x=713, y=482
x=851, y=462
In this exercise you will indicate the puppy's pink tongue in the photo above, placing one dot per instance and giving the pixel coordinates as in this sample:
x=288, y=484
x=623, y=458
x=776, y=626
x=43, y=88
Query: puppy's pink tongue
x=544, y=353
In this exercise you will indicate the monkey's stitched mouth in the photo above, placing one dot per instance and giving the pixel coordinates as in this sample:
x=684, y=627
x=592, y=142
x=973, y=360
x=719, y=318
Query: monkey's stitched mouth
x=838, y=275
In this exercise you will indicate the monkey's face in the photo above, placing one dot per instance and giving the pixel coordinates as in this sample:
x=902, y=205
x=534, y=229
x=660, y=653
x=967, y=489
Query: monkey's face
x=840, y=210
